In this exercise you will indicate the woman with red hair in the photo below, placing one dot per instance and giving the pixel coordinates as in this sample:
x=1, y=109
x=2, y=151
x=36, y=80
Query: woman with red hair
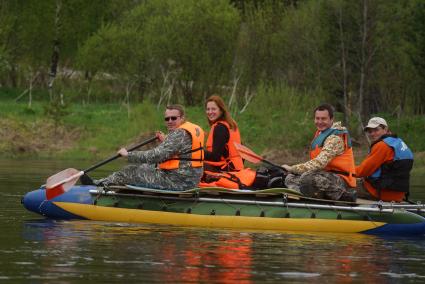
x=221, y=154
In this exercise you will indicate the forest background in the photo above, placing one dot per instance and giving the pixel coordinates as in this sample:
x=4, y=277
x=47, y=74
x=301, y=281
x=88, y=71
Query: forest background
x=80, y=78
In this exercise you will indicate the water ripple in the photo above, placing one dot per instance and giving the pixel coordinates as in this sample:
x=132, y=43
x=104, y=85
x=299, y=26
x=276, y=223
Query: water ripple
x=402, y=275
x=298, y=274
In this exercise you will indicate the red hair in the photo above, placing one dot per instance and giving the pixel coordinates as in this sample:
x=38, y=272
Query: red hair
x=225, y=116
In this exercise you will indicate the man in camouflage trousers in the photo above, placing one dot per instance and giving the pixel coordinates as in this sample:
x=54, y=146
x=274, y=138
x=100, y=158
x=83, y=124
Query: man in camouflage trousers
x=178, y=145
x=329, y=173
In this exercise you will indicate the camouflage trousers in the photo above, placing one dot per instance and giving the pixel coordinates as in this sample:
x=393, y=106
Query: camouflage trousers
x=317, y=184
x=148, y=175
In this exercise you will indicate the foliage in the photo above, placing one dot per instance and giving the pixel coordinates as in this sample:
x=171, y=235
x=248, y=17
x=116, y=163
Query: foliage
x=280, y=117
x=6, y=21
x=278, y=124
x=369, y=51
x=56, y=110
x=410, y=129
x=111, y=50
x=254, y=55
x=193, y=40
x=360, y=53
x=415, y=34
x=30, y=28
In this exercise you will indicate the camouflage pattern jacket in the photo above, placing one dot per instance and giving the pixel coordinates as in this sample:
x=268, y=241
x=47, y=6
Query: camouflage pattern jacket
x=332, y=147
x=176, y=142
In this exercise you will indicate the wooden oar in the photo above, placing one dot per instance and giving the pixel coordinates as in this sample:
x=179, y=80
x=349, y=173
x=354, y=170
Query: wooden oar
x=249, y=155
x=64, y=180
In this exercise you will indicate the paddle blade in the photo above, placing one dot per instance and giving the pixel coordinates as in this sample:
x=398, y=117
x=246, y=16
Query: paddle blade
x=248, y=154
x=61, y=182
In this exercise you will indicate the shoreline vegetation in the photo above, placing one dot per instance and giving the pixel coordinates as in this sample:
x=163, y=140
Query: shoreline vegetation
x=79, y=79
x=94, y=132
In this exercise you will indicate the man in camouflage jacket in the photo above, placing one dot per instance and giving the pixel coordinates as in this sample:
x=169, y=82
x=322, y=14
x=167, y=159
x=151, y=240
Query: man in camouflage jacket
x=314, y=178
x=143, y=170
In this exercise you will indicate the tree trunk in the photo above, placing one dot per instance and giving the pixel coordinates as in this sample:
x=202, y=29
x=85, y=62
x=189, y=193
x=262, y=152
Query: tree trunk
x=346, y=102
x=55, y=53
x=166, y=88
x=363, y=62
x=141, y=90
x=89, y=78
x=30, y=91
x=248, y=98
x=233, y=95
x=129, y=85
x=188, y=92
x=13, y=76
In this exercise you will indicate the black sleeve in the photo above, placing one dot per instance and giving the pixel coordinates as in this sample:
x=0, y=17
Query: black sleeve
x=221, y=136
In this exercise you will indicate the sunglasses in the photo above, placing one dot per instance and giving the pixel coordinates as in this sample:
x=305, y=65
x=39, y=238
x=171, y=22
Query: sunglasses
x=173, y=118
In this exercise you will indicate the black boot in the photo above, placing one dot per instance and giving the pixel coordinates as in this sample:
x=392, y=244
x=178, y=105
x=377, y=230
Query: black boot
x=349, y=195
x=86, y=180
x=276, y=182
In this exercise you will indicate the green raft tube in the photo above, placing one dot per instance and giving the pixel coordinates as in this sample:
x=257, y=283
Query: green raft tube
x=276, y=209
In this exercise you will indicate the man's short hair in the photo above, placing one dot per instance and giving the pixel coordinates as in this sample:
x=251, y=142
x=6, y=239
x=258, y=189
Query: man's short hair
x=327, y=107
x=178, y=107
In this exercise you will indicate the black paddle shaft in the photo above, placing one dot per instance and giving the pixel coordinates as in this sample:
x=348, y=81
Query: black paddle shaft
x=118, y=155
x=273, y=164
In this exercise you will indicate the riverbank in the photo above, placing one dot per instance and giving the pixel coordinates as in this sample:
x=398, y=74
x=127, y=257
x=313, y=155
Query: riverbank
x=93, y=132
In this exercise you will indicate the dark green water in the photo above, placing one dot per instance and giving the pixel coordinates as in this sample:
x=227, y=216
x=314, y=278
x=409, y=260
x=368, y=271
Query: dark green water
x=35, y=250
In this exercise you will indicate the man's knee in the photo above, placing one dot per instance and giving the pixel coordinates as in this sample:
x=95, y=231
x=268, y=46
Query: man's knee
x=308, y=186
x=292, y=181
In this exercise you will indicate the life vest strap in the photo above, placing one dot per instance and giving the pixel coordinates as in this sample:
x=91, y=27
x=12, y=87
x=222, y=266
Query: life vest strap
x=188, y=152
x=187, y=159
x=347, y=174
x=215, y=176
x=193, y=150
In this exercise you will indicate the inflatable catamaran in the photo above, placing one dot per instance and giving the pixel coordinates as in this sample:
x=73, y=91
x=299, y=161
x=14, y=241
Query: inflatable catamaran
x=276, y=209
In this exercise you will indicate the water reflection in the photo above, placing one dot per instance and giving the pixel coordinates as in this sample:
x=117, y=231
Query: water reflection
x=332, y=258
x=223, y=259
x=167, y=254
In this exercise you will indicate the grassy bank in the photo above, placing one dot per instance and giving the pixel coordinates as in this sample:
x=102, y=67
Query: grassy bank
x=277, y=124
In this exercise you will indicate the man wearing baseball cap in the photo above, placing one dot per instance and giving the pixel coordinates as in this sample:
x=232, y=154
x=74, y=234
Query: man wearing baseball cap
x=386, y=169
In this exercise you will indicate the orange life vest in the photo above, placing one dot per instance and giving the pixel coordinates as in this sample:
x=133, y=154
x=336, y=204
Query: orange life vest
x=234, y=180
x=343, y=165
x=197, y=150
x=234, y=157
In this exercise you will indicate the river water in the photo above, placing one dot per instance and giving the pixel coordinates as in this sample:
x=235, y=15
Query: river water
x=36, y=250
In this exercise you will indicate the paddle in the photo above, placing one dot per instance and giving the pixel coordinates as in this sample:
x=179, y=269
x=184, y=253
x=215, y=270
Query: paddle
x=249, y=155
x=64, y=180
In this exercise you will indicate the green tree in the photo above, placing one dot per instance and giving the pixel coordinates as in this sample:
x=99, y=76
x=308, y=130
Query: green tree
x=415, y=35
x=368, y=49
x=6, y=28
x=114, y=51
x=197, y=37
x=299, y=47
x=281, y=42
x=255, y=51
x=29, y=42
x=36, y=34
